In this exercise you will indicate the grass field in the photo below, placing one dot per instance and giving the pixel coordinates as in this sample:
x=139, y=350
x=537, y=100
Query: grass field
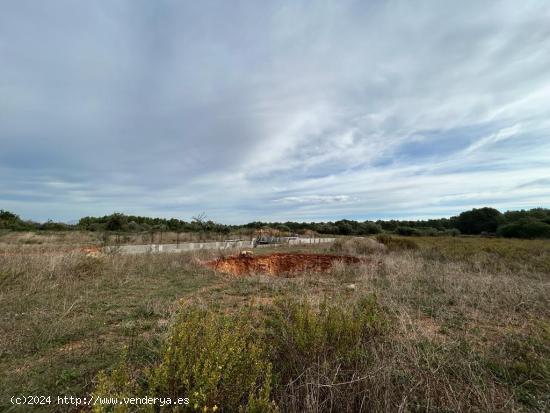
x=437, y=324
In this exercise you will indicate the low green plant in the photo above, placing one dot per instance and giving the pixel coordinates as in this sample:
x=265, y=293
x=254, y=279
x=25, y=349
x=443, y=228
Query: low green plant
x=216, y=361
x=319, y=353
x=116, y=384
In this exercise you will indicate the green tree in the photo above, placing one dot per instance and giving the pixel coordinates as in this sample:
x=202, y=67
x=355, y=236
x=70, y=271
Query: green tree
x=479, y=220
x=525, y=228
x=117, y=222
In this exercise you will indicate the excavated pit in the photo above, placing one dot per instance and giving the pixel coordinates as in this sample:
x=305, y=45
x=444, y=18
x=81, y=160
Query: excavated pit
x=278, y=264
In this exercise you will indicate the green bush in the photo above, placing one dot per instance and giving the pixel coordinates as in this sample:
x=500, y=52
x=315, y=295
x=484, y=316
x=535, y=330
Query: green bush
x=525, y=228
x=369, y=228
x=479, y=220
x=216, y=360
x=116, y=384
x=117, y=222
x=407, y=231
x=453, y=232
x=222, y=363
x=396, y=244
x=302, y=334
x=318, y=353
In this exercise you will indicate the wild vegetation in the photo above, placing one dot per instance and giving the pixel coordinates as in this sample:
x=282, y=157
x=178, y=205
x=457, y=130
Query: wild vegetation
x=439, y=324
x=534, y=223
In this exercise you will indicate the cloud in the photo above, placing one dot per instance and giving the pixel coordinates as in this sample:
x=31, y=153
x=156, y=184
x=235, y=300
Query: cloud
x=286, y=110
x=313, y=199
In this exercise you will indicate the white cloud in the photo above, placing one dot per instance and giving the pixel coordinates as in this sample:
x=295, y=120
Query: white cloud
x=313, y=199
x=339, y=109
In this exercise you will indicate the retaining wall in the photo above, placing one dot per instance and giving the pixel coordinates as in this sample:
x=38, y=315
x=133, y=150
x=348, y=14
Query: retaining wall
x=193, y=246
x=310, y=241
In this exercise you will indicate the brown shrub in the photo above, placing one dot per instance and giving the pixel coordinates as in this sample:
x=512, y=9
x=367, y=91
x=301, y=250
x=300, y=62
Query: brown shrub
x=357, y=246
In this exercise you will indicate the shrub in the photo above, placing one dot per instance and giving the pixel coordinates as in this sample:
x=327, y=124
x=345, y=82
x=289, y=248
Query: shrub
x=133, y=226
x=525, y=228
x=453, y=232
x=407, y=231
x=117, y=222
x=369, y=228
x=429, y=231
x=318, y=354
x=54, y=226
x=117, y=384
x=302, y=334
x=86, y=266
x=216, y=360
x=9, y=220
x=356, y=246
x=479, y=220
x=396, y=244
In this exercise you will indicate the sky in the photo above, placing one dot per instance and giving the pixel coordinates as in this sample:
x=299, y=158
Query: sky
x=273, y=110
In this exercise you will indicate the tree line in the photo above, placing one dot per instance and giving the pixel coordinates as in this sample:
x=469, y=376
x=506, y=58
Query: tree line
x=532, y=223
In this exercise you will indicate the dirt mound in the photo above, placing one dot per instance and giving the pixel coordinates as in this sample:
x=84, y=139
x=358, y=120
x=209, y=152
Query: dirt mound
x=278, y=264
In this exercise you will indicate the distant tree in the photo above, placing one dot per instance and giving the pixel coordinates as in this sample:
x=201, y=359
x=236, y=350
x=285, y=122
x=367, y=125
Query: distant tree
x=161, y=229
x=479, y=220
x=283, y=228
x=541, y=214
x=427, y=231
x=53, y=226
x=407, y=231
x=8, y=219
x=117, y=222
x=7, y=216
x=525, y=228
x=345, y=227
x=95, y=227
x=133, y=226
x=453, y=232
x=369, y=228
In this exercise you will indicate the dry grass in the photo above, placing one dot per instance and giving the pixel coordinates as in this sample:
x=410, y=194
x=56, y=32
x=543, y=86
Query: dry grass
x=66, y=316
x=52, y=239
x=357, y=246
x=466, y=323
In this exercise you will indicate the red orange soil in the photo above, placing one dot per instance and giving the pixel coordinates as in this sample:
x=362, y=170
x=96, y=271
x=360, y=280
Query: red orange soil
x=279, y=263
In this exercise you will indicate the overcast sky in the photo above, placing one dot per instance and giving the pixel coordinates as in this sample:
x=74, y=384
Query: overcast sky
x=273, y=110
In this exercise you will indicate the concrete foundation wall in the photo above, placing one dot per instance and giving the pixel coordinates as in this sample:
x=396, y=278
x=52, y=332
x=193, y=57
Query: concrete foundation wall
x=193, y=246
x=310, y=241
x=183, y=247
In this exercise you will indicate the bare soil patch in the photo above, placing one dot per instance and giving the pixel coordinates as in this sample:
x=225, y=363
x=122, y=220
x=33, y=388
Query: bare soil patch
x=279, y=264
